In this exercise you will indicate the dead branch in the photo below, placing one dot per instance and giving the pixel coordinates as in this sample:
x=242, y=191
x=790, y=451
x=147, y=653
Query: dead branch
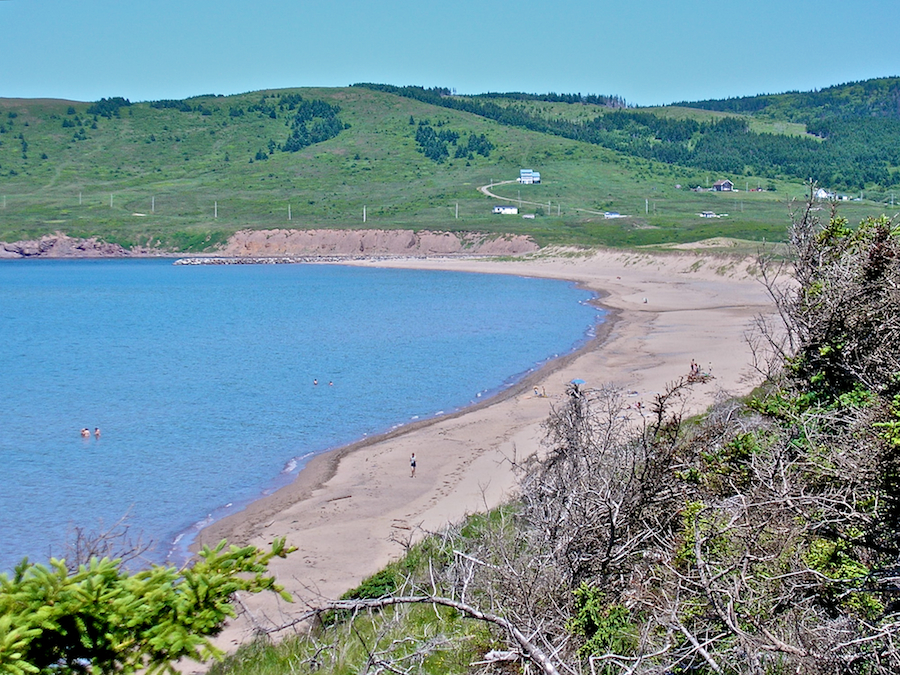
x=529, y=649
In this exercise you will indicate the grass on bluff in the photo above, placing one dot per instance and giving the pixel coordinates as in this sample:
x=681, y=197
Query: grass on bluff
x=187, y=180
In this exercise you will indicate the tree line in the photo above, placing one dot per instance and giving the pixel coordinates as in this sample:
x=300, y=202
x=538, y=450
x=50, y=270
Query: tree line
x=108, y=107
x=879, y=97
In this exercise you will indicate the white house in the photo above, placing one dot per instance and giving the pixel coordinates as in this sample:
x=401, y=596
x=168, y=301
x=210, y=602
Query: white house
x=529, y=176
x=723, y=186
x=506, y=209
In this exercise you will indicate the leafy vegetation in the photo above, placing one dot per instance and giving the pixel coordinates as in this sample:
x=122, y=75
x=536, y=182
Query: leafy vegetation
x=97, y=617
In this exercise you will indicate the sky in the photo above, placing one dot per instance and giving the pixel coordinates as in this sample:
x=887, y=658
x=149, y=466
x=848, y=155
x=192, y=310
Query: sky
x=649, y=52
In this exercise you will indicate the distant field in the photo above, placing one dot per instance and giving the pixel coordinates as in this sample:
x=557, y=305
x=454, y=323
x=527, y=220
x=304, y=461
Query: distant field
x=189, y=179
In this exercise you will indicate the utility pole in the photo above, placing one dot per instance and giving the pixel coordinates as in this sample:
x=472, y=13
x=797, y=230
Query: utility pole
x=289, y=211
x=153, y=204
x=457, y=210
x=646, y=206
x=79, y=199
x=215, y=209
x=110, y=201
x=364, y=213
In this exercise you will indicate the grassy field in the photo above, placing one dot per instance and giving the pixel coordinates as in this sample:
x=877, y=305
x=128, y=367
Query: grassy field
x=187, y=180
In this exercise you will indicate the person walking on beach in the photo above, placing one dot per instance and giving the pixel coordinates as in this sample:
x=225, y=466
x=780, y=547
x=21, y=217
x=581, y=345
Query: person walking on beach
x=412, y=465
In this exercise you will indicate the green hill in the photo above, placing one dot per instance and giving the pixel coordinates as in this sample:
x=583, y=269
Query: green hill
x=186, y=174
x=848, y=140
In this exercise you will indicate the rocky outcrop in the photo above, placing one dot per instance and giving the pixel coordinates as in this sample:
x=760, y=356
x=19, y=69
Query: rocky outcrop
x=260, y=243
x=62, y=246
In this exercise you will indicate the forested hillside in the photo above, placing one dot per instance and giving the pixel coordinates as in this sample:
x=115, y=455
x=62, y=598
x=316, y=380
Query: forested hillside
x=878, y=97
x=854, y=142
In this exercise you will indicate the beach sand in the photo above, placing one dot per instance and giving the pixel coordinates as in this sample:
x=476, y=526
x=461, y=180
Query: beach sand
x=349, y=511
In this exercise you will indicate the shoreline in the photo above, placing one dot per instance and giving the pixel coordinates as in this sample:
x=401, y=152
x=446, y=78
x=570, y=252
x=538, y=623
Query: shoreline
x=351, y=510
x=323, y=466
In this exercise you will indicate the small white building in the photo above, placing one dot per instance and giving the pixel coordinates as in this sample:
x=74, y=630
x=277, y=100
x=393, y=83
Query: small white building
x=529, y=177
x=506, y=209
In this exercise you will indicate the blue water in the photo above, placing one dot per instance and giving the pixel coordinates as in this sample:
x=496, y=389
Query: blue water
x=201, y=379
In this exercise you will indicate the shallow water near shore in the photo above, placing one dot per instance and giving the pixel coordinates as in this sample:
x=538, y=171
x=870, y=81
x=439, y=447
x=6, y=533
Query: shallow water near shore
x=201, y=379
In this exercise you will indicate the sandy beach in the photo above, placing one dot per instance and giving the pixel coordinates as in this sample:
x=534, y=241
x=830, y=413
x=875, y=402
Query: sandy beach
x=349, y=511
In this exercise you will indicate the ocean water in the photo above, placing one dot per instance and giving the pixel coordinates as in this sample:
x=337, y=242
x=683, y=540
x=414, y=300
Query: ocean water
x=201, y=379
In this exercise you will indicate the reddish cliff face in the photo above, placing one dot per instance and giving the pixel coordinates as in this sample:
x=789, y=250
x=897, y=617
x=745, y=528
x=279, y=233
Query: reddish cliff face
x=278, y=243
x=371, y=242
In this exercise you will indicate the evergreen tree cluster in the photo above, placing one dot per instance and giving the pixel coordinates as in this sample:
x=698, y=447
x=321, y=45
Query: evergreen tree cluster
x=477, y=144
x=589, y=99
x=264, y=107
x=180, y=105
x=434, y=144
x=314, y=121
x=108, y=107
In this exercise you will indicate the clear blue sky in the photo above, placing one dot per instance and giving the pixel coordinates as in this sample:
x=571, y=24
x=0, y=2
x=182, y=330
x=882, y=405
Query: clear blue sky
x=648, y=51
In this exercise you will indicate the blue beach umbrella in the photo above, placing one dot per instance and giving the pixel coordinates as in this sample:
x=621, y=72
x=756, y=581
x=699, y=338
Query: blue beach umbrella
x=576, y=381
